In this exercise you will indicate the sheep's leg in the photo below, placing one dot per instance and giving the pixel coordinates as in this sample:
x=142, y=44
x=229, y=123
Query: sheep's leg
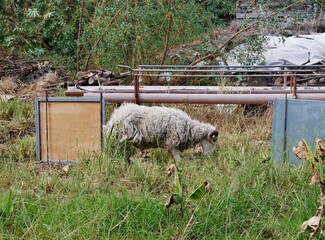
x=175, y=153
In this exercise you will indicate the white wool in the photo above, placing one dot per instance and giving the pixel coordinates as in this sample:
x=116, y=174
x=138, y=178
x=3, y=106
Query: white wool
x=151, y=127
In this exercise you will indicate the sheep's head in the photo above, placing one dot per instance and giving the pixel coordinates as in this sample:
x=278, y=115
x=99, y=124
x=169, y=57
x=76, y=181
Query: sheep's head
x=213, y=136
x=209, y=143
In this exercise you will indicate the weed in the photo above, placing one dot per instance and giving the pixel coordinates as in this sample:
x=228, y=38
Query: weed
x=103, y=196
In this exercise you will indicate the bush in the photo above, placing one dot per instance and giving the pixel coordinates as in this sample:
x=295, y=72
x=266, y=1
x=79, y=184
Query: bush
x=110, y=33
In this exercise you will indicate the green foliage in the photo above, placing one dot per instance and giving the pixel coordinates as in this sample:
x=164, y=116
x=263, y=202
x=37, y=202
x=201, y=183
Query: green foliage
x=251, y=51
x=219, y=9
x=178, y=197
x=38, y=28
x=139, y=32
x=112, y=32
x=22, y=150
x=16, y=120
x=198, y=193
x=17, y=128
x=103, y=197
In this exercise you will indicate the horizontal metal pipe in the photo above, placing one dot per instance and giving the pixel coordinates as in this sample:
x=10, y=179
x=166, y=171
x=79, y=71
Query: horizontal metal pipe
x=242, y=66
x=81, y=93
x=73, y=91
x=159, y=87
x=232, y=75
x=224, y=70
x=201, y=98
x=228, y=71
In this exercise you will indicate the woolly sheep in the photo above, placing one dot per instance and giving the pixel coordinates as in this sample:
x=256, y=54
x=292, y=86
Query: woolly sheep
x=151, y=127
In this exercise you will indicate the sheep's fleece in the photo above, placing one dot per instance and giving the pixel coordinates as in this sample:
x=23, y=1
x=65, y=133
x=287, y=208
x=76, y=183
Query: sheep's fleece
x=151, y=127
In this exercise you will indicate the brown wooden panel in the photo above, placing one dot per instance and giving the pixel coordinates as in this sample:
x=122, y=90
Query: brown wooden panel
x=69, y=129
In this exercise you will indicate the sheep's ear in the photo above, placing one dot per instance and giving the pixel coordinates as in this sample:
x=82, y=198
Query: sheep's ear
x=213, y=137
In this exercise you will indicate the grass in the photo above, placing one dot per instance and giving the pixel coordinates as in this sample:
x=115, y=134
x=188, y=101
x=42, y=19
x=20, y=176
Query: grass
x=103, y=197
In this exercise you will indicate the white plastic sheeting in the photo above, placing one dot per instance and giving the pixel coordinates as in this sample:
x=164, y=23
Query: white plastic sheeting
x=297, y=50
x=294, y=50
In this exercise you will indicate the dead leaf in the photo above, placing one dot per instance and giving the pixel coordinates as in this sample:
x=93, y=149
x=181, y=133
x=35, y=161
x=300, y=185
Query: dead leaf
x=301, y=150
x=145, y=154
x=313, y=223
x=314, y=178
x=65, y=169
x=207, y=187
x=320, y=148
x=49, y=188
x=175, y=198
x=171, y=170
x=169, y=202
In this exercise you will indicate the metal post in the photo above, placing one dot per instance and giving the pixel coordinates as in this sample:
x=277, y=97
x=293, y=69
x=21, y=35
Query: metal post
x=136, y=89
x=294, y=79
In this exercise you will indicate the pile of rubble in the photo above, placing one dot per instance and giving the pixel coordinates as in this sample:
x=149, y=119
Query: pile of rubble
x=101, y=77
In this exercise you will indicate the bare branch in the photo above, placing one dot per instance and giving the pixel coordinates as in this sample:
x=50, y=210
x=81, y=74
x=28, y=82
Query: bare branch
x=170, y=21
x=104, y=33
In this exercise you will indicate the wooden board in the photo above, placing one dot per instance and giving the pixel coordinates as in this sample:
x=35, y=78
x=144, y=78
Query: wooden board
x=69, y=129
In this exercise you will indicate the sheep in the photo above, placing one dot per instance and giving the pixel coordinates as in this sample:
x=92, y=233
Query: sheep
x=160, y=127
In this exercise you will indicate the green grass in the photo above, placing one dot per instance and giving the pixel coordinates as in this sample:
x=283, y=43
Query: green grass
x=103, y=197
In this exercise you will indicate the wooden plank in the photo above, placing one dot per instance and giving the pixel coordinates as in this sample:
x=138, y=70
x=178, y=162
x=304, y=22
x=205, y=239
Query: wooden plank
x=69, y=129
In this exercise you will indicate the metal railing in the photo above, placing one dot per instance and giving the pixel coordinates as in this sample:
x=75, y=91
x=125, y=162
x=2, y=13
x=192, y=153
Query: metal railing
x=138, y=93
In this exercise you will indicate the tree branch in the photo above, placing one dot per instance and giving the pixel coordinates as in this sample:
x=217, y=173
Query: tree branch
x=170, y=21
x=79, y=31
x=104, y=33
x=215, y=54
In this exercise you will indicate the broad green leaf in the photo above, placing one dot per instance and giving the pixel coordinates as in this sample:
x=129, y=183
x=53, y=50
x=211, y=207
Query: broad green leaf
x=198, y=193
x=177, y=198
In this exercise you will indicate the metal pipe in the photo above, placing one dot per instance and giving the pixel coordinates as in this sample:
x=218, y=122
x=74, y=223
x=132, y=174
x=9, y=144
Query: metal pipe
x=232, y=75
x=163, y=88
x=282, y=70
x=241, y=66
x=222, y=70
x=73, y=91
x=201, y=98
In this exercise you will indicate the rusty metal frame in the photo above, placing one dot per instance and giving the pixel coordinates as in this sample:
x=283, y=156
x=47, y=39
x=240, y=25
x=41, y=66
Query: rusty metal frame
x=209, y=94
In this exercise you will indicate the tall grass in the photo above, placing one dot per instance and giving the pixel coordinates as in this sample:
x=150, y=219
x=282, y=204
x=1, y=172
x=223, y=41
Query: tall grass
x=104, y=197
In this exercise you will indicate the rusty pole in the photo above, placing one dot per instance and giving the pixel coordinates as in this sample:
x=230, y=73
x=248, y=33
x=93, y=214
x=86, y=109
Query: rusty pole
x=294, y=79
x=136, y=89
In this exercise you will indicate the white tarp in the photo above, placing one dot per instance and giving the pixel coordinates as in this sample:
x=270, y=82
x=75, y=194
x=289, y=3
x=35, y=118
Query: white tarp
x=294, y=50
x=297, y=50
